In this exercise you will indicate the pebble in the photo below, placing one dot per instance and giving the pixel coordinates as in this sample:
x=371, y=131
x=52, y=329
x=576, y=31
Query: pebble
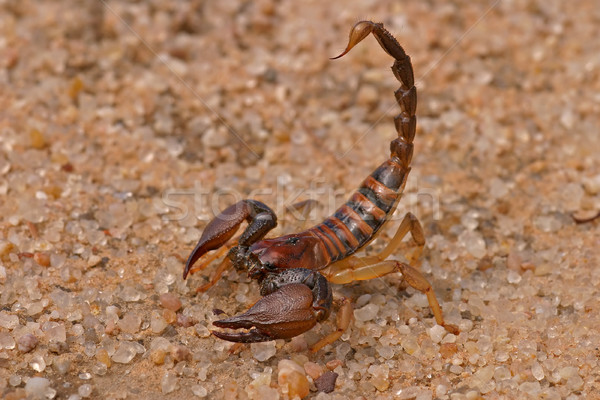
x=27, y=342
x=366, y=313
x=473, y=242
x=180, y=353
x=292, y=380
x=85, y=390
x=263, y=351
x=170, y=301
x=537, y=371
x=530, y=388
x=130, y=322
x=157, y=322
x=125, y=352
x=8, y=321
x=169, y=382
x=326, y=382
x=37, y=363
x=379, y=376
x=199, y=391
x=436, y=333
x=313, y=370
x=38, y=388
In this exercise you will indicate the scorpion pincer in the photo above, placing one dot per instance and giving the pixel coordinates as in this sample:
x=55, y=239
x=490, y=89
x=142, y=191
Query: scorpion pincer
x=295, y=271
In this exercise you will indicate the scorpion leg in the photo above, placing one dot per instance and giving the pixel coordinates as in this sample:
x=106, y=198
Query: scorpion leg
x=411, y=224
x=295, y=300
x=359, y=269
x=261, y=219
x=343, y=319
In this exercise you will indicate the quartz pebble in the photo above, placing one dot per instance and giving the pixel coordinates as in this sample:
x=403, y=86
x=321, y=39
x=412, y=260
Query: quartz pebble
x=125, y=352
x=27, y=342
x=291, y=379
x=437, y=333
x=169, y=382
x=38, y=388
x=366, y=313
x=263, y=351
x=85, y=390
x=170, y=301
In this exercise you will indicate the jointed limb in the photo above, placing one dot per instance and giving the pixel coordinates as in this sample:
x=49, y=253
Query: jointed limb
x=343, y=319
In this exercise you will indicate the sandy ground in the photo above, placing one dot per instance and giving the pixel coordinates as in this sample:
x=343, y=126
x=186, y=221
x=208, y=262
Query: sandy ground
x=124, y=126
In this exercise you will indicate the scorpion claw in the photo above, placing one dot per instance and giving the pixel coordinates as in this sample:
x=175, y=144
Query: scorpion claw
x=252, y=336
x=283, y=314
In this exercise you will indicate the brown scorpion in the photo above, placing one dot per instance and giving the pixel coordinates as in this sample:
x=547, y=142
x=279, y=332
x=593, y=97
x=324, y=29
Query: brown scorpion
x=295, y=271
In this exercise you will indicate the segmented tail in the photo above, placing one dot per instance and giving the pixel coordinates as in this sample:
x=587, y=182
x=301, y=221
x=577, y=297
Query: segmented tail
x=356, y=222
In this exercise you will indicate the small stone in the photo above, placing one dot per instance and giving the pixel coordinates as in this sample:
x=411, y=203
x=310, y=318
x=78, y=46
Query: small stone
x=199, y=391
x=130, y=323
x=170, y=301
x=513, y=277
x=592, y=185
x=567, y=372
x=62, y=364
x=157, y=322
x=158, y=356
x=291, y=379
x=547, y=223
x=574, y=383
x=436, y=333
x=103, y=357
x=537, y=371
x=263, y=351
x=8, y=321
x=37, y=387
x=55, y=332
x=6, y=341
x=94, y=260
x=379, y=376
x=386, y=352
x=37, y=363
x=85, y=390
x=409, y=344
x=169, y=316
x=180, y=353
x=473, y=242
x=366, y=313
x=27, y=342
x=333, y=364
x=168, y=383
x=313, y=370
x=185, y=321
x=483, y=375
x=531, y=388
x=448, y=350
x=326, y=382
x=42, y=258
x=37, y=139
x=124, y=353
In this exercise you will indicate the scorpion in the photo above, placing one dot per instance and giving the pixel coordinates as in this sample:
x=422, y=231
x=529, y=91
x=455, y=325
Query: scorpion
x=295, y=271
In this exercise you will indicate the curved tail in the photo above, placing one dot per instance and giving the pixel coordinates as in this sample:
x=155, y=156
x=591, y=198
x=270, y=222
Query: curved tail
x=406, y=95
x=356, y=222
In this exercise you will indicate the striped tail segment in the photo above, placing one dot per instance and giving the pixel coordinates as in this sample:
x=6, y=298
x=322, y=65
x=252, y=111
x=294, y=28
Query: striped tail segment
x=355, y=223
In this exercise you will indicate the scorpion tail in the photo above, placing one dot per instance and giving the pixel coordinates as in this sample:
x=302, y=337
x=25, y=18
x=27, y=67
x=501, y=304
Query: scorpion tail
x=406, y=95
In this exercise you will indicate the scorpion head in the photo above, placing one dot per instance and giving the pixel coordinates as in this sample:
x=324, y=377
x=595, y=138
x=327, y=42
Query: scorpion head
x=246, y=258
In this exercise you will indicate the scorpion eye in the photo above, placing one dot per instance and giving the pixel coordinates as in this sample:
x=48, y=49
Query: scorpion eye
x=292, y=240
x=270, y=266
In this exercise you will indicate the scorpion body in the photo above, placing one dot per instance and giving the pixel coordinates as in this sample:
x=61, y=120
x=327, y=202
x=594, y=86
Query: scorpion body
x=295, y=271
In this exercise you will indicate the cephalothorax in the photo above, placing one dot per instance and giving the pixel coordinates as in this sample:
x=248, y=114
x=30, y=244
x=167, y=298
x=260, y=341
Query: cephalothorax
x=295, y=271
